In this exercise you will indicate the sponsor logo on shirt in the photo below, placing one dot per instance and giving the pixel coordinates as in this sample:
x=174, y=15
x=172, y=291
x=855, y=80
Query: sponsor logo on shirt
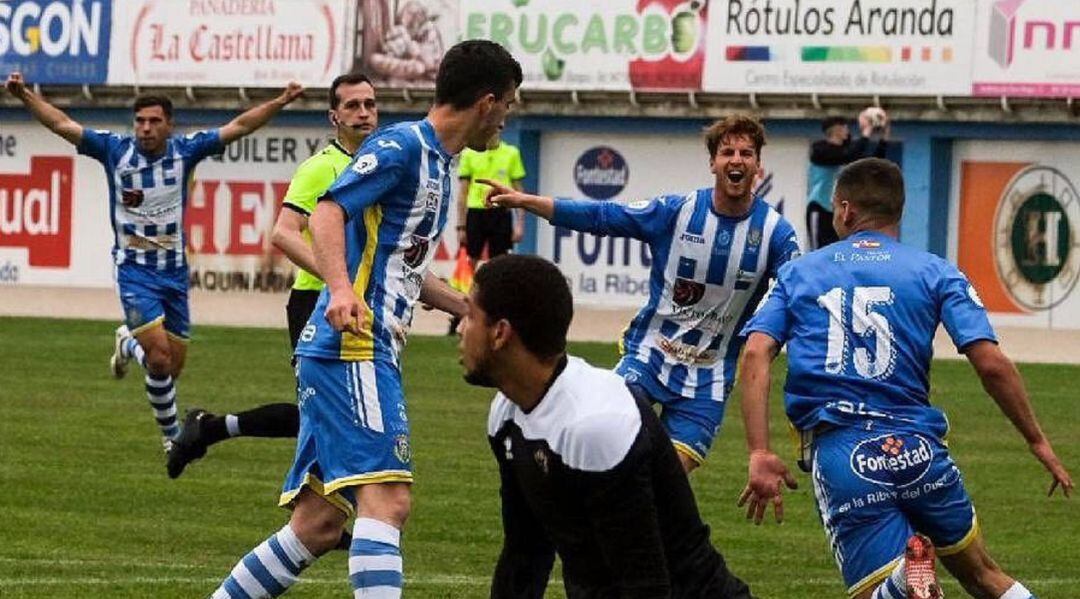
x=414, y=254
x=866, y=244
x=894, y=460
x=686, y=292
x=132, y=198
x=687, y=354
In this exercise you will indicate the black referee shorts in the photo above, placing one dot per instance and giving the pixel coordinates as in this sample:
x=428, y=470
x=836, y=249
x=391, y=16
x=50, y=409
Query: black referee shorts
x=488, y=226
x=298, y=311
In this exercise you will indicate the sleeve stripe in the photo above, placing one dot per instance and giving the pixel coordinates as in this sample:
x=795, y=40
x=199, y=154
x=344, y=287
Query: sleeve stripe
x=295, y=208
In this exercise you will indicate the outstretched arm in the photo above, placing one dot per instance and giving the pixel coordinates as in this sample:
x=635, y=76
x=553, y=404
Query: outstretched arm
x=767, y=472
x=508, y=197
x=254, y=118
x=640, y=220
x=52, y=117
x=1002, y=381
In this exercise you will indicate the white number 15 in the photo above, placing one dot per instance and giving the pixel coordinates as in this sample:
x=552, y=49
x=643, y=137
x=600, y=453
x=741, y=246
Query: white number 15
x=864, y=322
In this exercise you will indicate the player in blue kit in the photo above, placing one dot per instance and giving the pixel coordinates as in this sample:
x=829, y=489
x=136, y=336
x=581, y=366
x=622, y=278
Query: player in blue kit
x=375, y=233
x=149, y=174
x=858, y=318
x=714, y=251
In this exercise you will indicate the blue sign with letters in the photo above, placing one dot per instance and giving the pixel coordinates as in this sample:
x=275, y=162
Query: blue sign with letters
x=56, y=41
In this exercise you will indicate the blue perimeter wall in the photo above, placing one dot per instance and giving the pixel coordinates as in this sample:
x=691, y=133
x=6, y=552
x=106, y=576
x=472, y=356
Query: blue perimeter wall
x=926, y=150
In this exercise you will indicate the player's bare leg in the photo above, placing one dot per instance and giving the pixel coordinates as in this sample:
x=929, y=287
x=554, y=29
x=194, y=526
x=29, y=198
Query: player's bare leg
x=316, y=522
x=978, y=573
x=177, y=354
x=689, y=464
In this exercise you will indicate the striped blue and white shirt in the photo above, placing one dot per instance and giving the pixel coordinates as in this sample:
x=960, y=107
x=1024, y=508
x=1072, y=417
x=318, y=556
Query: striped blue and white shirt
x=709, y=272
x=396, y=194
x=147, y=195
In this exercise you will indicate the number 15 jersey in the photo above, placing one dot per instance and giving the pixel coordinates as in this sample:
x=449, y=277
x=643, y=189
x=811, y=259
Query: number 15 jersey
x=859, y=318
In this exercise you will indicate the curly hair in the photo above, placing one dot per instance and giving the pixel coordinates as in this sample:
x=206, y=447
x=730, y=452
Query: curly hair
x=736, y=124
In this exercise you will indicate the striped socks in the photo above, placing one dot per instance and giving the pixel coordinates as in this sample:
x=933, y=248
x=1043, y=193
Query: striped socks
x=269, y=570
x=375, y=560
x=162, y=395
x=131, y=349
x=893, y=586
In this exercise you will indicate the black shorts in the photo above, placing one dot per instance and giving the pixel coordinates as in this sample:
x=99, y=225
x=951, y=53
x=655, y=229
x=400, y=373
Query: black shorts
x=298, y=311
x=819, y=227
x=490, y=226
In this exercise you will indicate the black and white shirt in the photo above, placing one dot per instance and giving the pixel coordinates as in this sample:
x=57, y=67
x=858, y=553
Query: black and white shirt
x=590, y=473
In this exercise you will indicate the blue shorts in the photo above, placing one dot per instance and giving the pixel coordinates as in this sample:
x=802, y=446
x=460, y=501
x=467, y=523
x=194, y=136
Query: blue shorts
x=353, y=429
x=691, y=423
x=150, y=297
x=875, y=486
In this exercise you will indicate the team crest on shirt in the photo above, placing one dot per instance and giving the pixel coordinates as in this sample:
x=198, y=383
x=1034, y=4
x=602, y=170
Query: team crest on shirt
x=365, y=164
x=401, y=449
x=686, y=292
x=541, y=458
x=132, y=198
x=754, y=238
x=416, y=252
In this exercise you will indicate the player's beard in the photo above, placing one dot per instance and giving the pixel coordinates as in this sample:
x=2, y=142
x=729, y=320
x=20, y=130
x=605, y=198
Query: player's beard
x=480, y=375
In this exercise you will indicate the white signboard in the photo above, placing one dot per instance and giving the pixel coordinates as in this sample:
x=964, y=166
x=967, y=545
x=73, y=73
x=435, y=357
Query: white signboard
x=1027, y=48
x=903, y=47
x=255, y=43
x=597, y=44
x=54, y=224
x=1018, y=229
x=627, y=167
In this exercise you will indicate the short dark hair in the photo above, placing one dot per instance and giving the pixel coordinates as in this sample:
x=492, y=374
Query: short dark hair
x=532, y=295
x=735, y=124
x=472, y=69
x=831, y=121
x=875, y=187
x=148, y=100
x=352, y=78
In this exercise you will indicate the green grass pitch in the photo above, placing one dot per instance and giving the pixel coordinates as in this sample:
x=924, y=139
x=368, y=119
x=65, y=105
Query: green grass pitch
x=86, y=509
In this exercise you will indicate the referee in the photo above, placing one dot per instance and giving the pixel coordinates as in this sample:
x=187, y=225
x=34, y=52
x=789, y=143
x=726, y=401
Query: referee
x=586, y=470
x=478, y=225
